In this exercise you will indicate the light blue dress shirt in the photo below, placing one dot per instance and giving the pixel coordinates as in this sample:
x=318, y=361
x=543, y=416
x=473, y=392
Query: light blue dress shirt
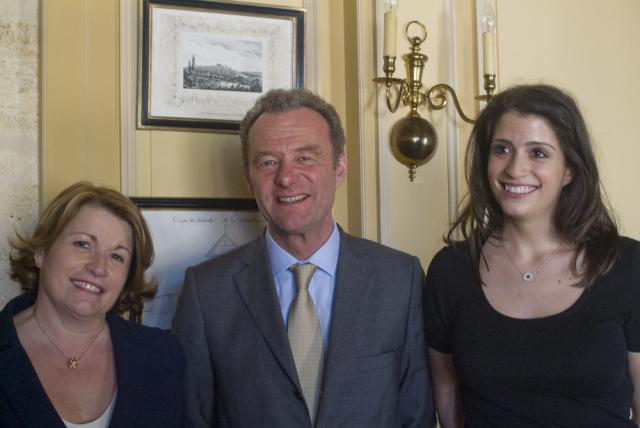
x=323, y=282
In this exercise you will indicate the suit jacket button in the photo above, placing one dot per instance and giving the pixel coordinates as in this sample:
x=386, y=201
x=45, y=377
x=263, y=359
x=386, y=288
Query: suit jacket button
x=298, y=395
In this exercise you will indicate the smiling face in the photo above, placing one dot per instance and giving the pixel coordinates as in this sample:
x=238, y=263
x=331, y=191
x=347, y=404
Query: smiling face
x=86, y=267
x=527, y=168
x=292, y=173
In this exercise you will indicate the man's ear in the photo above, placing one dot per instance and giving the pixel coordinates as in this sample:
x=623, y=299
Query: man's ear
x=341, y=168
x=245, y=172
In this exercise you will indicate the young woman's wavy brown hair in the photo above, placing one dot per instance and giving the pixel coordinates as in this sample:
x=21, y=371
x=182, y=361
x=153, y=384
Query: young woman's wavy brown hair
x=582, y=216
x=57, y=216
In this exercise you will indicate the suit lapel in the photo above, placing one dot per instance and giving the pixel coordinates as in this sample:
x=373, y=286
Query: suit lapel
x=354, y=278
x=257, y=290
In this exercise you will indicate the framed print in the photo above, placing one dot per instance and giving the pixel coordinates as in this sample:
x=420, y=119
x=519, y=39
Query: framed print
x=186, y=232
x=203, y=64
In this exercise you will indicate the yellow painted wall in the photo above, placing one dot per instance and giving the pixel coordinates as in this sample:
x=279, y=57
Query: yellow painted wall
x=206, y=164
x=81, y=112
x=577, y=44
x=80, y=122
x=581, y=45
x=589, y=47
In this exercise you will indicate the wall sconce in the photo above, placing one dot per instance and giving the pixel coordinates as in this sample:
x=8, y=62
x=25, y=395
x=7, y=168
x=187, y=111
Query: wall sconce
x=413, y=139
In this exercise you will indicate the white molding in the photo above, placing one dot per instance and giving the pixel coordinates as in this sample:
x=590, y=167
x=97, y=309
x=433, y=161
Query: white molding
x=384, y=155
x=43, y=98
x=451, y=47
x=361, y=124
x=312, y=49
x=128, y=82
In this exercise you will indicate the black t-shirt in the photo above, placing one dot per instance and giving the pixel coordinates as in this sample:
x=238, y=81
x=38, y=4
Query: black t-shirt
x=566, y=370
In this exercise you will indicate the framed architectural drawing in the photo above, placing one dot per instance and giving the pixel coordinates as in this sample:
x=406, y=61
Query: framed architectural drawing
x=202, y=64
x=186, y=232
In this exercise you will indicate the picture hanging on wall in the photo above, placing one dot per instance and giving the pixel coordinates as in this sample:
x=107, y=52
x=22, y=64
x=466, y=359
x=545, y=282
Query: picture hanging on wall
x=203, y=64
x=186, y=232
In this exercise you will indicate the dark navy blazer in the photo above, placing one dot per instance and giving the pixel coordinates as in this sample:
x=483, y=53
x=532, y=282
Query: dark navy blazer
x=149, y=364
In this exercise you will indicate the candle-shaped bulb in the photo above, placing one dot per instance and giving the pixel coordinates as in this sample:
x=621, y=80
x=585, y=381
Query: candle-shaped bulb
x=488, y=19
x=390, y=5
x=488, y=40
x=390, y=27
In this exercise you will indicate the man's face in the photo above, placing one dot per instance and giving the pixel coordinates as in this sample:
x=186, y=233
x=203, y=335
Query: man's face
x=292, y=173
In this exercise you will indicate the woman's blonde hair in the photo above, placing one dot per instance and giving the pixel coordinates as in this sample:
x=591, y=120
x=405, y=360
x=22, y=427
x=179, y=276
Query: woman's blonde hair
x=60, y=212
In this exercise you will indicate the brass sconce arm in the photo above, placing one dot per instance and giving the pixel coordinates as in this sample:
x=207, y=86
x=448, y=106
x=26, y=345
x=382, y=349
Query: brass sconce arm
x=437, y=100
x=389, y=68
x=400, y=95
x=391, y=82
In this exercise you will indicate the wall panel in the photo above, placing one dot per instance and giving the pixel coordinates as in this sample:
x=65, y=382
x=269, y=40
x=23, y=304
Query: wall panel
x=80, y=94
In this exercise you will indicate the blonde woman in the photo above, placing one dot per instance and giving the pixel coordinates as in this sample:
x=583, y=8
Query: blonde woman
x=67, y=359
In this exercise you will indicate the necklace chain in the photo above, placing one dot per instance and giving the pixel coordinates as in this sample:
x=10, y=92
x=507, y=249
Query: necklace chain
x=529, y=276
x=72, y=362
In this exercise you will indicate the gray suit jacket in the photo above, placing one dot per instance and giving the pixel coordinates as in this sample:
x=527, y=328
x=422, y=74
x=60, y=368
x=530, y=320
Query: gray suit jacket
x=240, y=370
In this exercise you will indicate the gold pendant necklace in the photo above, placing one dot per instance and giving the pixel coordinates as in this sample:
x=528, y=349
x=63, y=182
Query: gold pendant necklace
x=71, y=362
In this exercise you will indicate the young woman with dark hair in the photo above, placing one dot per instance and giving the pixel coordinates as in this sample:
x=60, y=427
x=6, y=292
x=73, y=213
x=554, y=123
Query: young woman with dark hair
x=533, y=317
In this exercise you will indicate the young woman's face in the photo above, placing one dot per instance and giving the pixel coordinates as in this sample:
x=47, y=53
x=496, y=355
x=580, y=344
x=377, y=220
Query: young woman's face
x=526, y=168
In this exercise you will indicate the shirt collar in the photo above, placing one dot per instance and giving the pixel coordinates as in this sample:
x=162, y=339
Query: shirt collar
x=325, y=258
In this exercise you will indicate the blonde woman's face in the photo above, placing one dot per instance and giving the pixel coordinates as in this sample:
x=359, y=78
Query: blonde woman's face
x=84, y=271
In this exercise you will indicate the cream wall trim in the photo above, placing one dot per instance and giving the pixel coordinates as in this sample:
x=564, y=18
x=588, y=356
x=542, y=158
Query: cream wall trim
x=384, y=154
x=452, y=128
x=43, y=112
x=128, y=81
x=361, y=125
x=312, y=78
x=366, y=120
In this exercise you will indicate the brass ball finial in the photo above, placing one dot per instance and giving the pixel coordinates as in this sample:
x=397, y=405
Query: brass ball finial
x=413, y=142
x=412, y=171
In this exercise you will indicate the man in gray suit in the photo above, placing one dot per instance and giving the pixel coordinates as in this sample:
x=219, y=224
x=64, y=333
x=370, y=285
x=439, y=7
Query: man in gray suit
x=268, y=347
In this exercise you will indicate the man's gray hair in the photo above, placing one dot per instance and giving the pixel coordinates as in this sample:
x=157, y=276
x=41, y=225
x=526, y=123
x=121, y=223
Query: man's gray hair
x=284, y=100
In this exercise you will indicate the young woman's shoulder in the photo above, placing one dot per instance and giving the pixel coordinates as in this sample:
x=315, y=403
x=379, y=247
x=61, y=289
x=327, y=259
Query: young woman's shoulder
x=629, y=246
x=456, y=253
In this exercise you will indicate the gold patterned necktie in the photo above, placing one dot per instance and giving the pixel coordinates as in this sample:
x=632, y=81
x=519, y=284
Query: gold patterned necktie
x=305, y=338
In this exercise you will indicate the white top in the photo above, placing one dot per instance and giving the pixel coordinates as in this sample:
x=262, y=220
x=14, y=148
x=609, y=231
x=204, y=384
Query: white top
x=102, y=421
